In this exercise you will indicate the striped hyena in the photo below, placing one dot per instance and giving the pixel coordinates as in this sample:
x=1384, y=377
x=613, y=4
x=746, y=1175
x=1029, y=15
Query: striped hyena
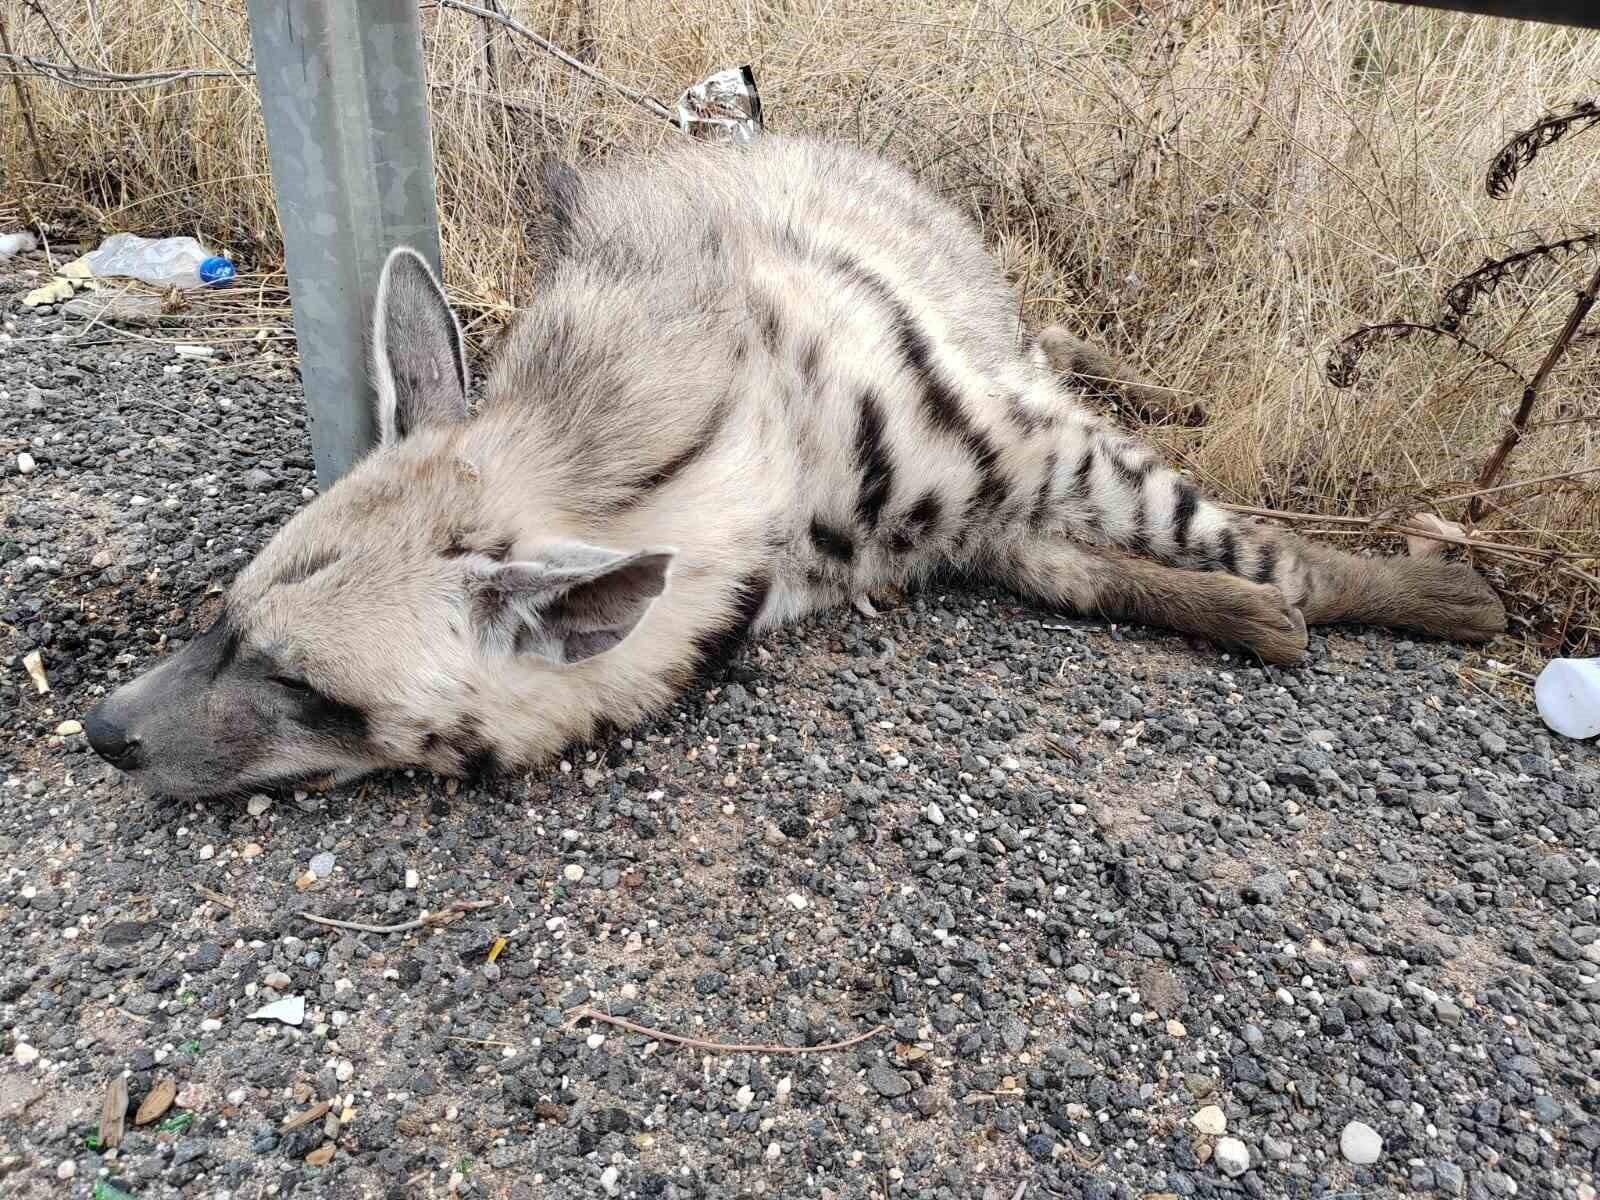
x=753, y=381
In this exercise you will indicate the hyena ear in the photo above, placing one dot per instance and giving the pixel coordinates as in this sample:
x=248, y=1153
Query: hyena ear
x=567, y=603
x=418, y=364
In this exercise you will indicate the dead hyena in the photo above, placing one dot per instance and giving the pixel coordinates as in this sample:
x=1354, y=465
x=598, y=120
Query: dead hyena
x=753, y=382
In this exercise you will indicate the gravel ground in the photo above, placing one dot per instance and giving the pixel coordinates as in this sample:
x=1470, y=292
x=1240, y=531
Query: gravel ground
x=1132, y=919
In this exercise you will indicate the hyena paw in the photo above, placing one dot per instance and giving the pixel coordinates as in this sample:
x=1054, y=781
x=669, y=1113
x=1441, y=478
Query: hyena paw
x=1257, y=618
x=1448, y=600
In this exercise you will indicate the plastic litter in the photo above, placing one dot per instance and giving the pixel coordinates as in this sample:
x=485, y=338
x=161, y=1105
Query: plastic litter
x=179, y=262
x=1568, y=695
x=17, y=243
x=724, y=107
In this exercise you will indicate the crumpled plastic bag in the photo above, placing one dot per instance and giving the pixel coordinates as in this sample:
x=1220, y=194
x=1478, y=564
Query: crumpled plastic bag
x=724, y=107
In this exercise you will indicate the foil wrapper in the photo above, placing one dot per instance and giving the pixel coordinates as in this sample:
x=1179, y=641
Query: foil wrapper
x=724, y=107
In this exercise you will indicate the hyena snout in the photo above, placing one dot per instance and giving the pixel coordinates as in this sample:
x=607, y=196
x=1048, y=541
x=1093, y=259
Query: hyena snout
x=111, y=739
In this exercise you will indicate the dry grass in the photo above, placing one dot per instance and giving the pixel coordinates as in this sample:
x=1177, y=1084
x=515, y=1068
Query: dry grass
x=1217, y=191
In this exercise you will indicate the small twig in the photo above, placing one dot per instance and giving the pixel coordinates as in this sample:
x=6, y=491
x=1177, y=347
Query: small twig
x=648, y=102
x=1506, y=487
x=1021, y=1188
x=92, y=80
x=584, y=1012
x=216, y=897
x=1530, y=393
x=442, y=917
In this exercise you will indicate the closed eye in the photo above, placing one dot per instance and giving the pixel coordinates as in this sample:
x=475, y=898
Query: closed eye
x=290, y=683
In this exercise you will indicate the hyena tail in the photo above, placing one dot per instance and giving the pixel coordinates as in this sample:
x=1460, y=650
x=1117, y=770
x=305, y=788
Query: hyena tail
x=1108, y=489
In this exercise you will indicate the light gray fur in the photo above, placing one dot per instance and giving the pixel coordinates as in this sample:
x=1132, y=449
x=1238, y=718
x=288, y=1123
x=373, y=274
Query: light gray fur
x=753, y=382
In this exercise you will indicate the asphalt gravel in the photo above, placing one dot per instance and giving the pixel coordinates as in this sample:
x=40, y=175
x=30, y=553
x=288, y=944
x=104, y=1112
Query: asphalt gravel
x=1123, y=917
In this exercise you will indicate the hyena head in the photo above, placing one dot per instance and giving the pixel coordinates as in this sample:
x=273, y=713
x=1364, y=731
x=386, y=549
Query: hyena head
x=381, y=624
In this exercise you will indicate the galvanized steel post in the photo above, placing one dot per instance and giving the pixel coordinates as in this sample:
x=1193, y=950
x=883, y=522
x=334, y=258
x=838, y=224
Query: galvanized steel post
x=345, y=100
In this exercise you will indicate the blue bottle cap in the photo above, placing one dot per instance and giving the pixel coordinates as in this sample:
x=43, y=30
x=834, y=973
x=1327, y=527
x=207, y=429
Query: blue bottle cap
x=215, y=271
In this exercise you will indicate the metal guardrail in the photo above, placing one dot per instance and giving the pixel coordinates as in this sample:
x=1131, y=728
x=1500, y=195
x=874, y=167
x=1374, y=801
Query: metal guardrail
x=345, y=98
x=1584, y=14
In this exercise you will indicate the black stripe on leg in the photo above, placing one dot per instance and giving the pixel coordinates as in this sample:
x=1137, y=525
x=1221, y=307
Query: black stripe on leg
x=872, y=460
x=1186, y=500
x=1268, y=563
x=1042, y=499
x=1079, y=488
x=1227, y=551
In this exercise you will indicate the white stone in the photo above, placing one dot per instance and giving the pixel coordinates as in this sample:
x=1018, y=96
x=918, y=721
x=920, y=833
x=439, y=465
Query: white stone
x=1232, y=1157
x=68, y=728
x=210, y=1025
x=934, y=813
x=25, y=466
x=572, y=872
x=774, y=1151
x=608, y=1180
x=25, y=1055
x=1210, y=1120
x=1360, y=1144
x=258, y=804
x=345, y=1071
x=291, y=1010
x=797, y=901
x=1176, y=1029
x=413, y=880
x=238, y=1096
x=208, y=851
x=744, y=1097
x=596, y=1040
x=67, y=1169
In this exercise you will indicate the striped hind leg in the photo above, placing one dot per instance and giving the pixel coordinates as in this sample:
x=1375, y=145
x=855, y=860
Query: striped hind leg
x=1094, y=582
x=1109, y=489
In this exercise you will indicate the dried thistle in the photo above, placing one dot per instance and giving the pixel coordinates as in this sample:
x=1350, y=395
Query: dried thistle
x=1460, y=297
x=1524, y=147
x=1343, y=367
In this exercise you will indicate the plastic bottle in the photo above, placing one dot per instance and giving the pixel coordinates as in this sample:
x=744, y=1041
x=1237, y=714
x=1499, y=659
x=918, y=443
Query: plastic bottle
x=166, y=262
x=1568, y=695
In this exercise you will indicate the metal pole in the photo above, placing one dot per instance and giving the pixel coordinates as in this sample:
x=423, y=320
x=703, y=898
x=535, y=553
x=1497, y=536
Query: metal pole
x=1581, y=13
x=345, y=100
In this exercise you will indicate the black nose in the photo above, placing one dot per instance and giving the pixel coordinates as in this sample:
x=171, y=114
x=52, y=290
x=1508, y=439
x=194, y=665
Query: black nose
x=112, y=743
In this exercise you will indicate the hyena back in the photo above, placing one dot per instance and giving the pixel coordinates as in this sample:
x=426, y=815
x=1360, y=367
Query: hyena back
x=753, y=382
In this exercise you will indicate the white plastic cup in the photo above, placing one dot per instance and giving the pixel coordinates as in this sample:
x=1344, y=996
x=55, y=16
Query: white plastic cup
x=1568, y=695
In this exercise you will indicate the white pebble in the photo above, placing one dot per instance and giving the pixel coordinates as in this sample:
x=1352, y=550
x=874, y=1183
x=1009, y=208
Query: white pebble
x=210, y=1025
x=322, y=865
x=25, y=1054
x=67, y=1169
x=1176, y=1029
x=208, y=851
x=25, y=466
x=934, y=813
x=68, y=728
x=572, y=872
x=797, y=900
x=1232, y=1157
x=1210, y=1120
x=258, y=804
x=1360, y=1144
x=412, y=878
x=238, y=1096
x=608, y=1180
x=774, y=1151
x=596, y=1040
x=345, y=1071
